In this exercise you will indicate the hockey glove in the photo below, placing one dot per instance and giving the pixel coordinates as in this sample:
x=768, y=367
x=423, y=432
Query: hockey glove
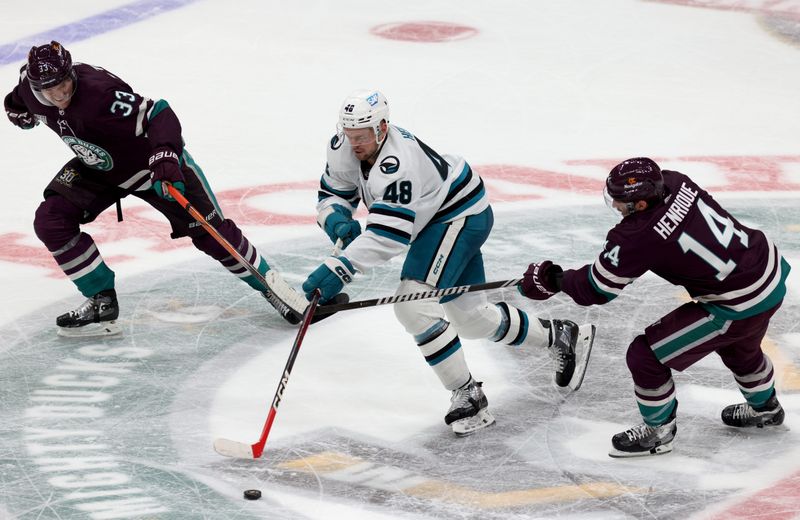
x=541, y=280
x=19, y=116
x=340, y=224
x=165, y=166
x=330, y=278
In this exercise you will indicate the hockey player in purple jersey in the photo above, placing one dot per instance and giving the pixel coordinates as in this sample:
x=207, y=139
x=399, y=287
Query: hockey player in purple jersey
x=125, y=144
x=734, y=274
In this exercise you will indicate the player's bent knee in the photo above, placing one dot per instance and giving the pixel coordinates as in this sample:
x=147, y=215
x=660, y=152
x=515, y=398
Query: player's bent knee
x=56, y=222
x=419, y=315
x=640, y=356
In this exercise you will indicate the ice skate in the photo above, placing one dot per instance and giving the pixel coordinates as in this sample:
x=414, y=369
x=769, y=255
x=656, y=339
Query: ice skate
x=743, y=415
x=570, y=348
x=468, y=411
x=97, y=316
x=643, y=439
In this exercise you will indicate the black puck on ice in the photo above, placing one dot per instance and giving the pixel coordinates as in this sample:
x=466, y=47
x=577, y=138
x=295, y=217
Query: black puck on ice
x=252, y=494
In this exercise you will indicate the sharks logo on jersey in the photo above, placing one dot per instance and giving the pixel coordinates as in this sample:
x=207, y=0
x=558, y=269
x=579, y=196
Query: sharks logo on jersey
x=390, y=165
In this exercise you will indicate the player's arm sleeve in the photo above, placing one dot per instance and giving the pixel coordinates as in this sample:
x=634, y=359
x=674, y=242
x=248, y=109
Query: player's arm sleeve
x=386, y=235
x=162, y=126
x=336, y=193
x=14, y=100
x=604, y=280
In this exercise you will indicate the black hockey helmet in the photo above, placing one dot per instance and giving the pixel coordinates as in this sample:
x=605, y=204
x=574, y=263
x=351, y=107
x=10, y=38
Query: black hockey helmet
x=49, y=65
x=636, y=179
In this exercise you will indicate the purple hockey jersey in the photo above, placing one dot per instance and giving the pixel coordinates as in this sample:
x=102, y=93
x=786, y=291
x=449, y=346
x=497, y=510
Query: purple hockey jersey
x=690, y=240
x=108, y=126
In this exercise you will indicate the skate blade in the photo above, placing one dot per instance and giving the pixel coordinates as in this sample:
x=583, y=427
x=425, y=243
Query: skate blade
x=658, y=450
x=91, y=330
x=585, y=341
x=470, y=425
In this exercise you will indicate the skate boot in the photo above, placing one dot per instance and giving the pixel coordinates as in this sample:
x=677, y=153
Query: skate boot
x=570, y=346
x=96, y=317
x=743, y=415
x=645, y=440
x=468, y=411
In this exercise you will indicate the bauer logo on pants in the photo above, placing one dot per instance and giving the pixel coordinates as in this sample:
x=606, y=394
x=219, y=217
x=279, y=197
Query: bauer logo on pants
x=90, y=154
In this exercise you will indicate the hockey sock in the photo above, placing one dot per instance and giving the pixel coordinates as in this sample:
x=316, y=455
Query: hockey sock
x=442, y=350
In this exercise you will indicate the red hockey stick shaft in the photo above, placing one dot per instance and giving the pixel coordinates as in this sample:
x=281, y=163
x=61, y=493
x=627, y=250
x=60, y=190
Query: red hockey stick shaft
x=258, y=447
x=238, y=449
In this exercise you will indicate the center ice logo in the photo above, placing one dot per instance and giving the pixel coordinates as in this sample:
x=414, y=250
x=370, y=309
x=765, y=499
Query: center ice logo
x=90, y=154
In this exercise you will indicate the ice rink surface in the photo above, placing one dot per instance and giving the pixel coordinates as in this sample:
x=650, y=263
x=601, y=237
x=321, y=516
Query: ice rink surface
x=542, y=98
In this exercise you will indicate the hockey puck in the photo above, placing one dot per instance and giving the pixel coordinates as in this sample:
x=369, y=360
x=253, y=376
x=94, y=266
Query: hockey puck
x=252, y=494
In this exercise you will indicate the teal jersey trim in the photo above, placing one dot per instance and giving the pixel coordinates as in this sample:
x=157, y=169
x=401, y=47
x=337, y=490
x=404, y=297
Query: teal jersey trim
x=339, y=193
x=769, y=302
x=384, y=232
x=393, y=209
x=461, y=209
x=609, y=296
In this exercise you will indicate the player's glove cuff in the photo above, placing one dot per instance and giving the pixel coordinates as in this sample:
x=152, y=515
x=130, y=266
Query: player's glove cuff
x=541, y=280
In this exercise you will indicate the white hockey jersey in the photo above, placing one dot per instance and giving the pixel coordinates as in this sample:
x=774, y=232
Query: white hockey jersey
x=408, y=187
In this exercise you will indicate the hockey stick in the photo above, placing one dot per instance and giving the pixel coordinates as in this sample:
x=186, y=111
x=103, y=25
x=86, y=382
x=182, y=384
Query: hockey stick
x=282, y=291
x=436, y=293
x=241, y=450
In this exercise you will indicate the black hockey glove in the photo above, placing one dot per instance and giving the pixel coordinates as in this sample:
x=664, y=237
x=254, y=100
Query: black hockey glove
x=165, y=165
x=541, y=280
x=19, y=116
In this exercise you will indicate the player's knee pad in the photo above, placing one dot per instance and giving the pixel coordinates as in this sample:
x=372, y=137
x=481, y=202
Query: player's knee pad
x=420, y=315
x=473, y=316
x=56, y=222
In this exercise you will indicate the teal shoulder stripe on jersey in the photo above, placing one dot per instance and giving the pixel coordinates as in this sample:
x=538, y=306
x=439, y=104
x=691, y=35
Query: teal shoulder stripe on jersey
x=384, y=209
x=158, y=107
x=462, y=207
x=383, y=231
x=769, y=302
x=597, y=288
x=339, y=193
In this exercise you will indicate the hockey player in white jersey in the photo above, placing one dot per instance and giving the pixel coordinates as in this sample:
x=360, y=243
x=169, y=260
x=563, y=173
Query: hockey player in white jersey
x=435, y=207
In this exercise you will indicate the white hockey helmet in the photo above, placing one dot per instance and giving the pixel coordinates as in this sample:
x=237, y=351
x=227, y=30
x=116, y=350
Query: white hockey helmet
x=364, y=109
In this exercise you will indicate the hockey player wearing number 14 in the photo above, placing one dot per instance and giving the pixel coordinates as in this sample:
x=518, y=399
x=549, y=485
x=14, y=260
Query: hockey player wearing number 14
x=735, y=275
x=125, y=144
x=435, y=207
